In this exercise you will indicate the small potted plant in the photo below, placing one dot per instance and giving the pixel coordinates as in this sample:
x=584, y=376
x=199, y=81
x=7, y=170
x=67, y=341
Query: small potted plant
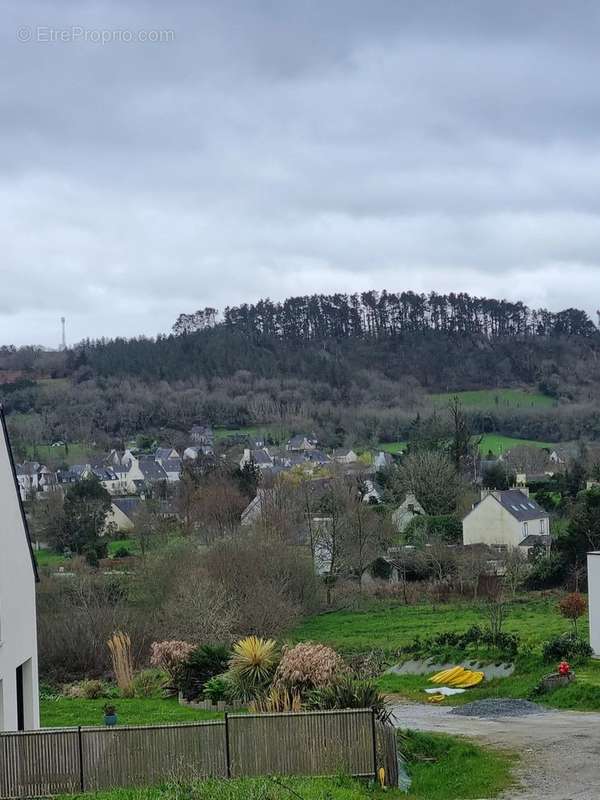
x=110, y=716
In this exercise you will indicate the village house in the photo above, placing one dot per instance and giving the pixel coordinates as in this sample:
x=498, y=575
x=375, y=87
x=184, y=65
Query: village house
x=382, y=460
x=122, y=514
x=19, y=693
x=202, y=435
x=302, y=441
x=345, y=456
x=34, y=477
x=261, y=459
x=507, y=520
x=406, y=512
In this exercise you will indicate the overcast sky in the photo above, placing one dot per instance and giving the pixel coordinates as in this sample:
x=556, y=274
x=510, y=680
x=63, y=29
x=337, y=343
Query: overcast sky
x=292, y=146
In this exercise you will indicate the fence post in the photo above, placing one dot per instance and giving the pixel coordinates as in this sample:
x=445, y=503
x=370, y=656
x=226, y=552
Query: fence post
x=374, y=735
x=227, y=754
x=80, y=744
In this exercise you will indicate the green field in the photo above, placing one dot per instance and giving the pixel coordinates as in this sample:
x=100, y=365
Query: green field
x=498, y=444
x=496, y=398
x=78, y=453
x=390, y=626
x=63, y=712
x=279, y=433
x=392, y=447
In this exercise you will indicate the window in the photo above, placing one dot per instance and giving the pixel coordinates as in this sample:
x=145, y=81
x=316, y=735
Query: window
x=542, y=526
x=525, y=529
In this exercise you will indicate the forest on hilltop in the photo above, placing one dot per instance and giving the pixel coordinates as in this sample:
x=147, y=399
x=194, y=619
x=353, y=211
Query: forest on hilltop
x=356, y=367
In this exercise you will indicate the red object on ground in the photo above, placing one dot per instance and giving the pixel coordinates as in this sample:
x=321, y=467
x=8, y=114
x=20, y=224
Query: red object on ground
x=564, y=668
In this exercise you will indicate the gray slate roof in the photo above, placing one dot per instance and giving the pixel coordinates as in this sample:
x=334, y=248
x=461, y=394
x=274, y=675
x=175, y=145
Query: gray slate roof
x=260, y=457
x=163, y=453
x=171, y=464
x=535, y=538
x=520, y=506
x=128, y=505
x=151, y=470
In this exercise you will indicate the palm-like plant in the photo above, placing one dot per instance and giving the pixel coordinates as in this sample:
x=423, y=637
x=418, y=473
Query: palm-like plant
x=254, y=659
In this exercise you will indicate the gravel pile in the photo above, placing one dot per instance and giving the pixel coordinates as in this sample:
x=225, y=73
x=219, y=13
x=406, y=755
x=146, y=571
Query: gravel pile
x=498, y=708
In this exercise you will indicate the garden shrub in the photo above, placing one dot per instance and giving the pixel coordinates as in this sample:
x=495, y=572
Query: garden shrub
x=216, y=689
x=309, y=666
x=547, y=573
x=122, y=552
x=170, y=656
x=349, y=692
x=88, y=690
x=504, y=645
x=566, y=647
x=202, y=664
x=150, y=683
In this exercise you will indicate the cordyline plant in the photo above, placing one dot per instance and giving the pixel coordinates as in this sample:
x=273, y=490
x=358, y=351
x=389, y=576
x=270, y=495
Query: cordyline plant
x=309, y=666
x=170, y=656
x=251, y=668
x=573, y=606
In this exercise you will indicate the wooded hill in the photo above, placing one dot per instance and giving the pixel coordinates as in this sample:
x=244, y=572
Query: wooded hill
x=357, y=368
x=445, y=342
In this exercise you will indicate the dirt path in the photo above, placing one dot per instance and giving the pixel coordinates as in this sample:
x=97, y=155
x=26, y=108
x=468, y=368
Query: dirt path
x=560, y=750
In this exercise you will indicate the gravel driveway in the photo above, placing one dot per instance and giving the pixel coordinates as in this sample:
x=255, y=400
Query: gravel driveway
x=560, y=750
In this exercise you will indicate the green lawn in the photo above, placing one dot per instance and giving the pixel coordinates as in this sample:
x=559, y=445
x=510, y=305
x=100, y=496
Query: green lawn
x=441, y=768
x=494, y=442
x=63, y=712
x=447, y=767
x=498, y=444
x=496, y=398
x=392, y=447
x=132, y=545
x=277, y=432
x=78, y=453
x=48, y=558
x=388, y=626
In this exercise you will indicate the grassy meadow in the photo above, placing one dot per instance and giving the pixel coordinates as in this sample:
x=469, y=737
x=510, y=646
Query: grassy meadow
x=65, y=712
x=497, y=444
x=389, y=626
x=496, y=398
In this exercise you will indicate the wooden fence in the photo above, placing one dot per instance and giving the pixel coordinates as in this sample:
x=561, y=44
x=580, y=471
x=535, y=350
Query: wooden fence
x=72, y=760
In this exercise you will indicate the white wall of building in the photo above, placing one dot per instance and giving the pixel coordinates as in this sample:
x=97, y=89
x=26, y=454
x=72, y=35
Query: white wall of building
x=489, y=523
x=593, y=565
x=18, y=639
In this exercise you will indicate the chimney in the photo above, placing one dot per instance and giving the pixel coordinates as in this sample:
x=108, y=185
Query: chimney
x=521, y=483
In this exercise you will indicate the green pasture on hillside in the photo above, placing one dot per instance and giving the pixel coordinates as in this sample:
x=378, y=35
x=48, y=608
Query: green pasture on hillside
x=496, y=398
x=278, y=433
x=389, y=626
x=498, y=444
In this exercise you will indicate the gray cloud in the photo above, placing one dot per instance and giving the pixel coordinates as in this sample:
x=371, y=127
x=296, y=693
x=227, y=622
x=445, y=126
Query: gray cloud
x=275, y=148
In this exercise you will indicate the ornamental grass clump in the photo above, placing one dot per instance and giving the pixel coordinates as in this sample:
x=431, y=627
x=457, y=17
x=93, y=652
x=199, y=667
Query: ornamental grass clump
x=119, y=645
x=170, y=656
x=309, y=666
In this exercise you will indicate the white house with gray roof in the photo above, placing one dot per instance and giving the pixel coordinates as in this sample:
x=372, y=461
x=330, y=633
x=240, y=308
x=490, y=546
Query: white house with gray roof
x=507, y=520
x=19, y=693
